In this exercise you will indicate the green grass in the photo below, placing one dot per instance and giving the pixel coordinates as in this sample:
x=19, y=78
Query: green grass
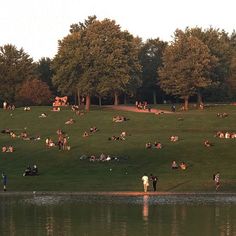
x=64, y=171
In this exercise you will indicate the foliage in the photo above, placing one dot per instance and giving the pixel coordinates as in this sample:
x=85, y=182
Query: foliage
x=16, y=66
x=187, y=66
x=34, y=92
x=96, y=58
x=45, y=71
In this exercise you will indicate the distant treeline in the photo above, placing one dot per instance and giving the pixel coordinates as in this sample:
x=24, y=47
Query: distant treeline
x=103, y=64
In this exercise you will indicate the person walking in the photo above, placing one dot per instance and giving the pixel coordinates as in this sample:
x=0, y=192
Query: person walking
x=4, y=181
x=145, y=182
x=154, y=182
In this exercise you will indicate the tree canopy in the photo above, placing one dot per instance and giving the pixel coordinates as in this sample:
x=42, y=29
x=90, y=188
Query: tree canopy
x=16, y=66
x=187, y=65
x=97, y=58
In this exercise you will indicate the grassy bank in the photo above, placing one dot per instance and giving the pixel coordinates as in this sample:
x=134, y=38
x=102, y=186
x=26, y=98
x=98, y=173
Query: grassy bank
x=65, y=171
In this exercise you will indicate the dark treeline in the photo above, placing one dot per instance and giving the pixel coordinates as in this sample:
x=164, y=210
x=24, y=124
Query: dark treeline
x=102, y=63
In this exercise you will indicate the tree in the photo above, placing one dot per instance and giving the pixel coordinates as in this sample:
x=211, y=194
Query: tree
x=97, y=59
x=218, y=43
x=113, y=59
x=15, y=67
x=67, y=63
x=44, y=71
x=150, y=57
x=34, y=92
x=187, y=64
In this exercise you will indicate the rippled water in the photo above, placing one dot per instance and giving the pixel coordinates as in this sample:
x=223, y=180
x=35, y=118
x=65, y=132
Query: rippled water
x=85, y=215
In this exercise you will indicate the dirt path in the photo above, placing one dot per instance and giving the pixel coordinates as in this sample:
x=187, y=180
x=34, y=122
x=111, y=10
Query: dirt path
x=134, y=109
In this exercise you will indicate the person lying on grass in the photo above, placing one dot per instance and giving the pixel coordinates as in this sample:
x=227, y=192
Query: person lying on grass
x=174, y=138
x=70, y=121
x=93, y=129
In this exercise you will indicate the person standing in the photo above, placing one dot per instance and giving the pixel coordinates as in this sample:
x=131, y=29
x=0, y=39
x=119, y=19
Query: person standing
x=145, y=182
x=217, y=180
x=154, y=182
x=4, y=181
x=4, y=105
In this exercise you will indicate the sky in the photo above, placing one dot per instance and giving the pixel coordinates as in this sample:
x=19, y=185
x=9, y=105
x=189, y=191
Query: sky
x=37, y=25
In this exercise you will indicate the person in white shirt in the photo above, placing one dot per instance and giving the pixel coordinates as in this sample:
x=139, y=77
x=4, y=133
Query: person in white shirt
x=145, y=182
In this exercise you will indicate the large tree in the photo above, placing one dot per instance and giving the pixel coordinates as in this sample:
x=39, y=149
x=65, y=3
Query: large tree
x=97, y=58
x=218, y=43
x=150, y=57
x=16, y=66
x=187, y=65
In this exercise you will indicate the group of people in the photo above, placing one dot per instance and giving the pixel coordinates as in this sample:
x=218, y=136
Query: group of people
x=92, y=129
x=119, y=138
x=156, y=145
x=62, y=141
x=119, y=118
x=175, y=165
x=8, y=148
x=101, y=158
x=226, y=135
x=222, y=115
x=142, y=105
x=7, y=106
x=145, y=180
x=31, y=171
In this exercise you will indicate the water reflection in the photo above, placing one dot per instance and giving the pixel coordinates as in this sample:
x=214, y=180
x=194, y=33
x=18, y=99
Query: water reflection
x=145, y=207
x=91, y=215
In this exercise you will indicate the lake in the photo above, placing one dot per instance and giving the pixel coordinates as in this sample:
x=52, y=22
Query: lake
x=88, y=215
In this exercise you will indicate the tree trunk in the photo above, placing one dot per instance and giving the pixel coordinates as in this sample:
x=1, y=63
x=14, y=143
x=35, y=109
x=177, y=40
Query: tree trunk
x=100, y=101
x=116, y=102
x=154, y=97
x=186, y=103
x=87, y=106
x=199, y=98
x=125, y=99
x=78, y=95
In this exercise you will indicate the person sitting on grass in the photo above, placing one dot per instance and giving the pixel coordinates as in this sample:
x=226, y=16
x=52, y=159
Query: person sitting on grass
x=43, y=115
x=12, y=134
x=183, y=166
x=174, y=165
x=35, y=170
x=85, y=134
x=26, y=108
x=174, y=138
x=93, y=129
x=51, y=143
x=70, y=122
x=207, y=143
x=148, y=145
x=56, y=109
x=158, y=145
x=4, y=149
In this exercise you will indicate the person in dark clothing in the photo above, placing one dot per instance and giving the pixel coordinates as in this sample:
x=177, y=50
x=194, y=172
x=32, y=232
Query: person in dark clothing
x=154, y=182
x=4, y=181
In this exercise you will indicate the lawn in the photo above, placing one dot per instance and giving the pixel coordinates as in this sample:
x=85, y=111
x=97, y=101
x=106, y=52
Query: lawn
x=65, y=171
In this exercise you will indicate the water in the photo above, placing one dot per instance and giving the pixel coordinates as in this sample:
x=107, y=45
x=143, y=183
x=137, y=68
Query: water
x=174, y=215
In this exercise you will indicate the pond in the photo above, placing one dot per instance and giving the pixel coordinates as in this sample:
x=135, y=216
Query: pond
x=88, y=215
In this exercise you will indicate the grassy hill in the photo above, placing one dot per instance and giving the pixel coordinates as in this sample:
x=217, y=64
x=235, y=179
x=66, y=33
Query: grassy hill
x=65, y=171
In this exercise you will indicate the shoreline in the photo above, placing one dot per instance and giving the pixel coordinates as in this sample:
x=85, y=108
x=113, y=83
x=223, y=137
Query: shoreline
x=123, y=194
